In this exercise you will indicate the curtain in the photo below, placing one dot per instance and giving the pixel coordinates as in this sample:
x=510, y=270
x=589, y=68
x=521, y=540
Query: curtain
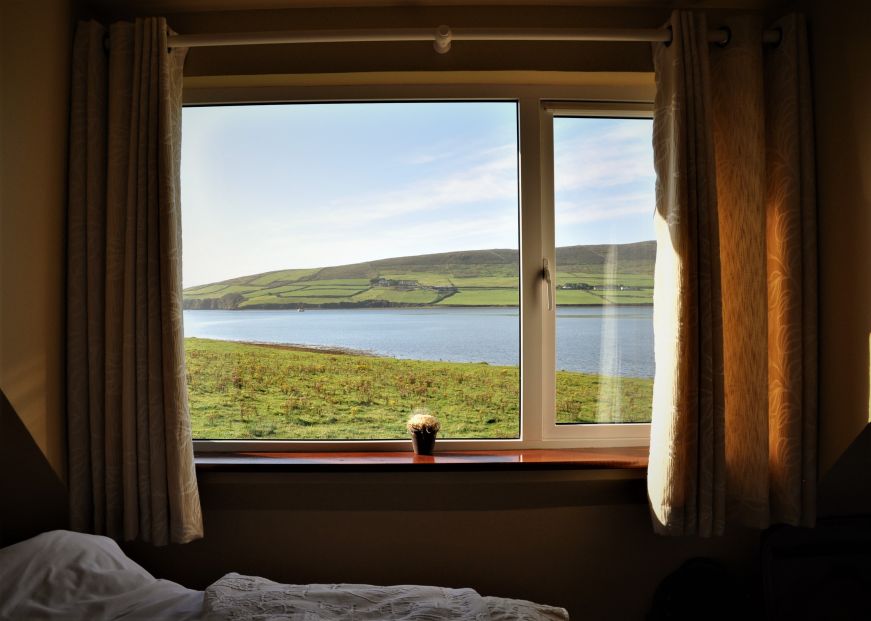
x=131, y=468
x=733, y=433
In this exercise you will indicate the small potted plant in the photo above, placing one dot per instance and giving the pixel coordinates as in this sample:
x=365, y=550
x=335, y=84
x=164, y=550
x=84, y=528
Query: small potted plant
x=423, y=428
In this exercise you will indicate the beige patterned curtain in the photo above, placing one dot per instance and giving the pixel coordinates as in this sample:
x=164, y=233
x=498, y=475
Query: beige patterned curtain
x=131, y=459
x=733, y=436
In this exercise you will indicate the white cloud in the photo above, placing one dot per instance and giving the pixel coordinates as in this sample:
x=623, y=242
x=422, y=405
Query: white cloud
x=614, y=208
x=452, y=199
x=492, y=177
x=419, y=218
x=604, y=159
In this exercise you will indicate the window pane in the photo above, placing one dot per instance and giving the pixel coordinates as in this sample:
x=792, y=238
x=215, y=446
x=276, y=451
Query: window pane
x=347, y=264
x=604, y=185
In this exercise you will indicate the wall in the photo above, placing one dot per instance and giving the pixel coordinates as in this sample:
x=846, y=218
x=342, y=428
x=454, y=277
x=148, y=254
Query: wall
x=34, y=499
x=579, y=540
x=585, y=544
x=35, y=39
x=464, y=55
x=841, y=55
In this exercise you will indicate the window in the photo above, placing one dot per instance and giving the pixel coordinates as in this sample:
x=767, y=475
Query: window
x=352, y=263
x=349, y=260
x=601, y=197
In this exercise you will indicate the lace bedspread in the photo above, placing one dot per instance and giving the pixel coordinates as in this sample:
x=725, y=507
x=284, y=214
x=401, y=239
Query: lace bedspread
x=236, y=597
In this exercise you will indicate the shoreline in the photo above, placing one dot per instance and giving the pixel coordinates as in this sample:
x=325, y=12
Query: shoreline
x=315, y=349
x=348, y=351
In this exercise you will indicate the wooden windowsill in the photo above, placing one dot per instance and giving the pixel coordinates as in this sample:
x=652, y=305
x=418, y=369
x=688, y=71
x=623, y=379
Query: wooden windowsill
x=630, y=458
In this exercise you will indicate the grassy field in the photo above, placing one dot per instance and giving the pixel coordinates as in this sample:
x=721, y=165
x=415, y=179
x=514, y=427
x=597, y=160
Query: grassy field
x=312, y=295
x=468, y=278
x=240, y=390
x=414, y=296
x=483, y=297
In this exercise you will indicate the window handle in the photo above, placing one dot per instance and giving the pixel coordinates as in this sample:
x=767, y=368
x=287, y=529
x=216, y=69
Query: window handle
x=548, y=281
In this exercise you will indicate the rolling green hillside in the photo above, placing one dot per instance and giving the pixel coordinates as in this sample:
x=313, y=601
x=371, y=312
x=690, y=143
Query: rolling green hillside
x=586, y=275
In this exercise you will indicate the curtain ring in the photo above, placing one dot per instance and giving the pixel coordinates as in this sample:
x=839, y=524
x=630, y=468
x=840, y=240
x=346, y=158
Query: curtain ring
x=670, y=38
x=727, y=38
x=779, y=31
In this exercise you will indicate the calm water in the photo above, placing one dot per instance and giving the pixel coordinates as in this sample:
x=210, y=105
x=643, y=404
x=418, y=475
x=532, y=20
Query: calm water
x=613, y=341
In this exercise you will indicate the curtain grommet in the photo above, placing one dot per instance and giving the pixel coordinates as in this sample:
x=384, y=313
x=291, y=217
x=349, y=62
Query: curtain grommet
x=728, y=36
x=776, y=43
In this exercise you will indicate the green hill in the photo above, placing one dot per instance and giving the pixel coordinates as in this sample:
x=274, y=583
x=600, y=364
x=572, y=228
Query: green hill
x=586, y=275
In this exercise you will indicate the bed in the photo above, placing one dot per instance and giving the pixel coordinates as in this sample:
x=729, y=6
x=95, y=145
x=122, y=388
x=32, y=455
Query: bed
x=66, y=575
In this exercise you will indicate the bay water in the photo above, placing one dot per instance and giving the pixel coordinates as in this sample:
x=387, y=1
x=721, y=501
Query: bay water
x=615, y=340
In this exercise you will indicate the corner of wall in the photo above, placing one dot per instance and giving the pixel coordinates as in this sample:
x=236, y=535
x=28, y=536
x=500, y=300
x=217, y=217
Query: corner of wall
x=840, y=49
x=33, y=163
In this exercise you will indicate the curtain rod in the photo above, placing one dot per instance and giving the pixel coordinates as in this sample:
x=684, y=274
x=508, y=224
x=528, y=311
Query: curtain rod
x=442, y=36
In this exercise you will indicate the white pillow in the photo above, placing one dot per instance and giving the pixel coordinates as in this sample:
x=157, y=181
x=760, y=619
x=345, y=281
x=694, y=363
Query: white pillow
x=66, y=575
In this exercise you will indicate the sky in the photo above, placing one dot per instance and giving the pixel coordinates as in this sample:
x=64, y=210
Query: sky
x=269, y=187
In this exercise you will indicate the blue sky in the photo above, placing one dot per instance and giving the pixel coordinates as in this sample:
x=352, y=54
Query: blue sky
x=272, y=187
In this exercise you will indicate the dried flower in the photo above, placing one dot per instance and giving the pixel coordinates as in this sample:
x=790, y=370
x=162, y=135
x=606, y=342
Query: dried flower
x=422, y=420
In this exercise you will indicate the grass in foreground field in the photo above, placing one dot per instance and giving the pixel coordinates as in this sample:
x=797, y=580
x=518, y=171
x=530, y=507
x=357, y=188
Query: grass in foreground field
x=241, y=390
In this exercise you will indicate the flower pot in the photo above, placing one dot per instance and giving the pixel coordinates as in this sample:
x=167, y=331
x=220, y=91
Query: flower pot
x=423, y=442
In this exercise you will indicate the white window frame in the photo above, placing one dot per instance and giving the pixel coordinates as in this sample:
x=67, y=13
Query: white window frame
x=598, y=434
x=539, y=97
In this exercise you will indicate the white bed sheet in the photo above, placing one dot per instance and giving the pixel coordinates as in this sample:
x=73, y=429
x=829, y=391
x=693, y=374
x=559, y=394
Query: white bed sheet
x=66, y=575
